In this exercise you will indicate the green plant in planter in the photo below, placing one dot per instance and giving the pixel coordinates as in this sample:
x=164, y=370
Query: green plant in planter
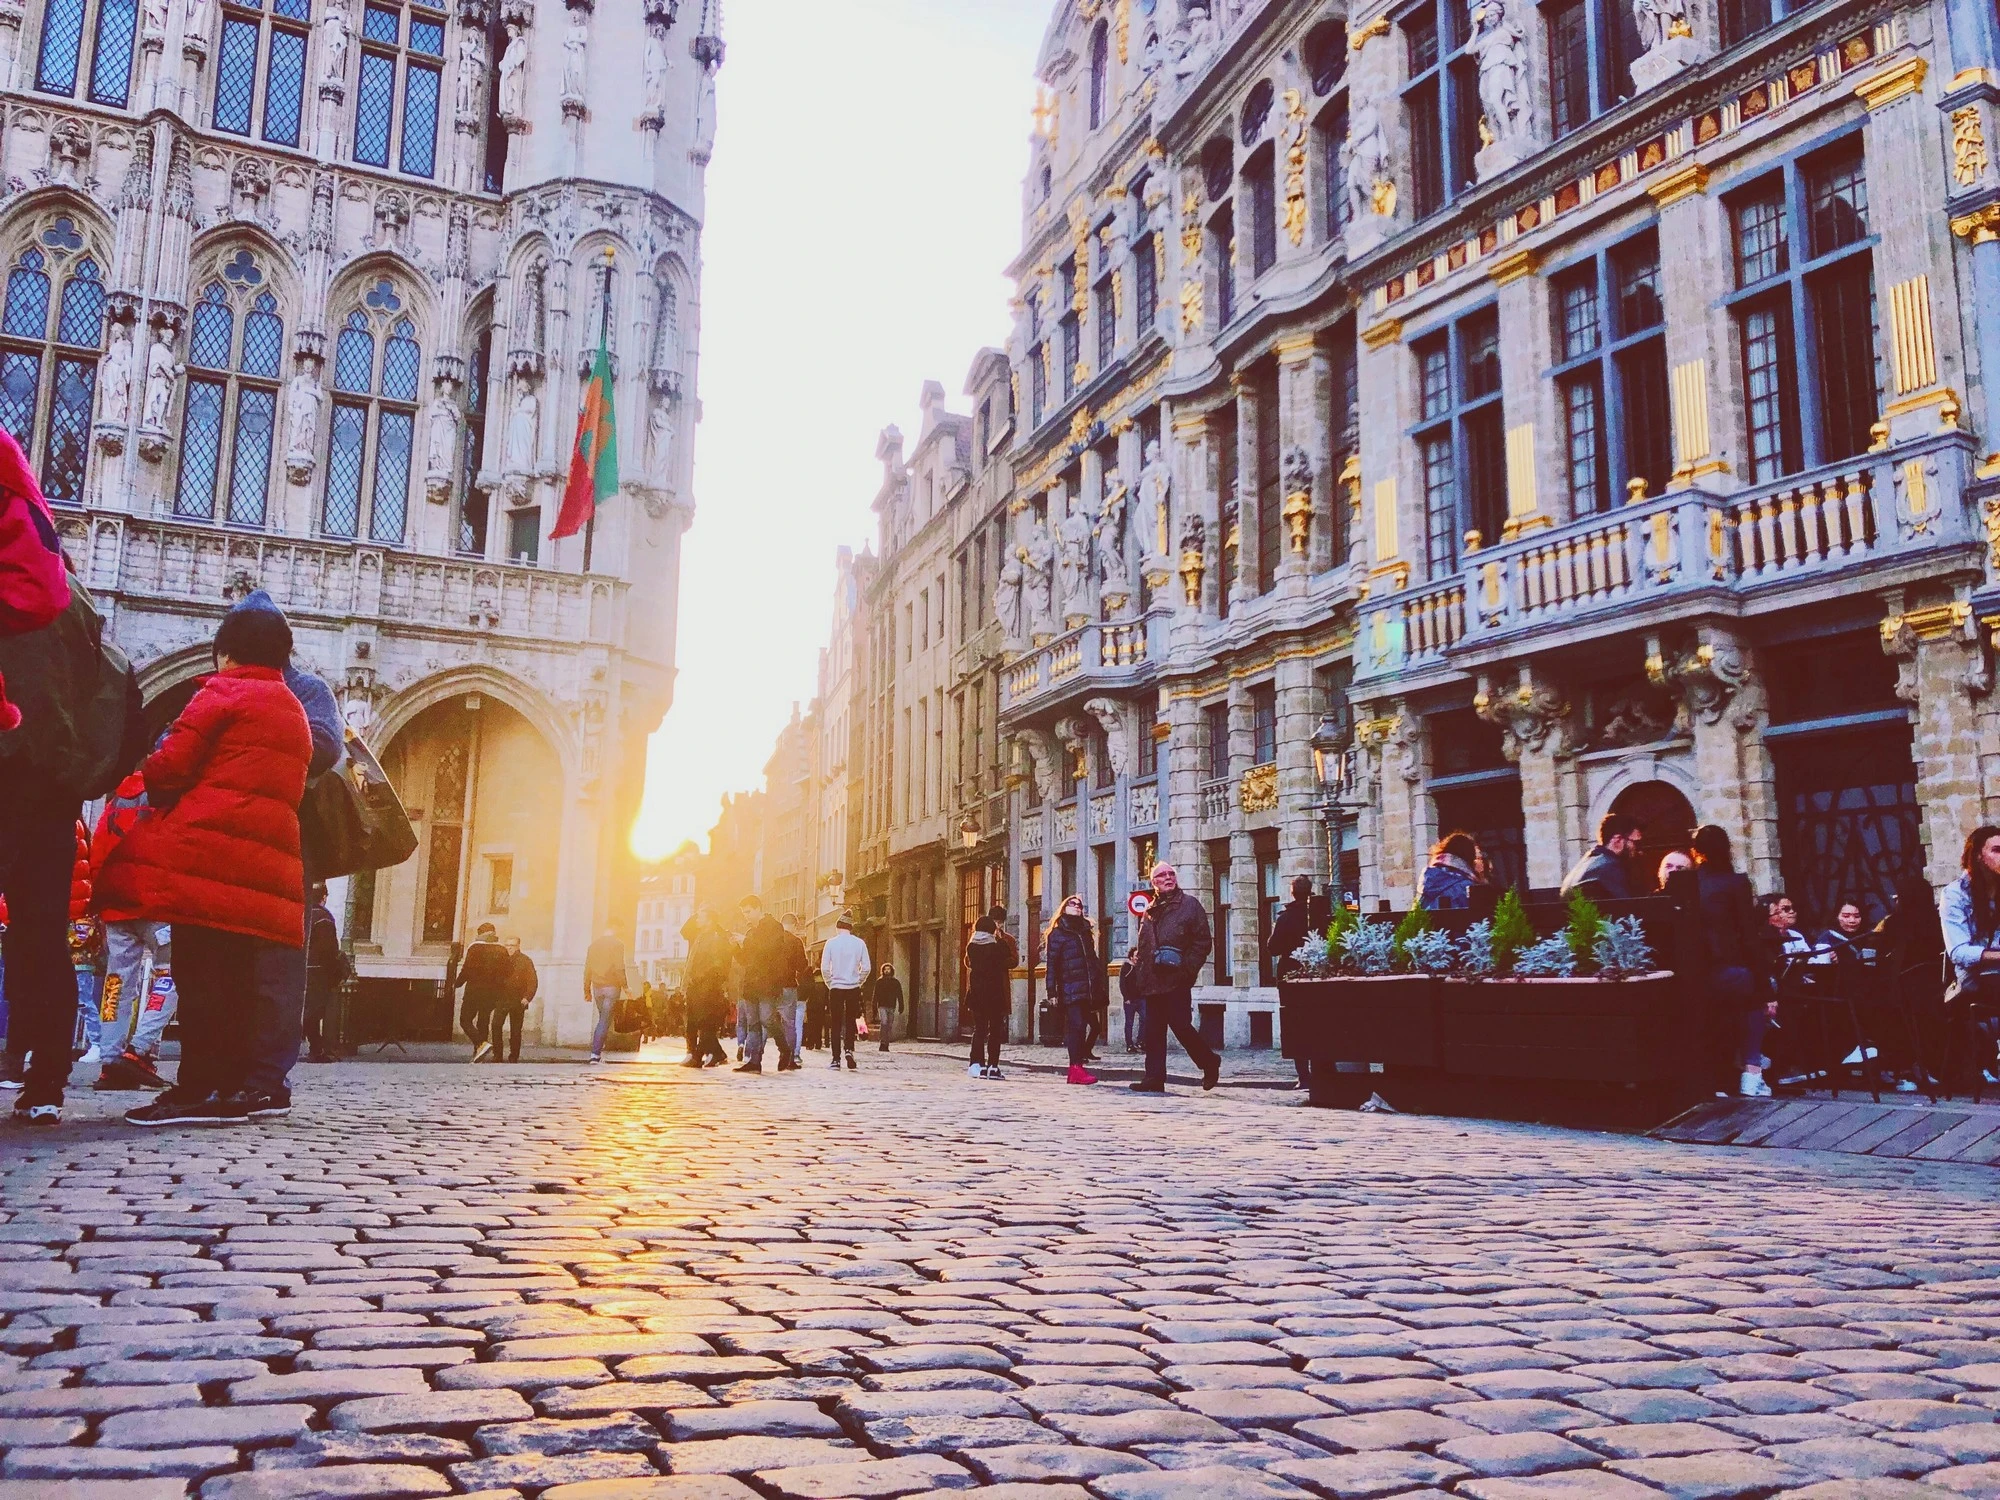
x=1345, y=920
x=1416, y=921
x=1370, y=948
x=1512, y=931
x=1431, y=951
x=1623, y=949
x=1475, y=950
x=1549, y=959
x=1586, y=926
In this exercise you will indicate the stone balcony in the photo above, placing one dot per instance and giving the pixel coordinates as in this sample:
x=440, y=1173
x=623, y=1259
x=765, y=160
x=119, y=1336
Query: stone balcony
x=1877, y=521
x=1111, y=655
x=148, y=560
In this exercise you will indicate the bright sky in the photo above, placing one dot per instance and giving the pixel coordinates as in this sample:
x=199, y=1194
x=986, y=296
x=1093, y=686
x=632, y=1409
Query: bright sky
x=864, y=197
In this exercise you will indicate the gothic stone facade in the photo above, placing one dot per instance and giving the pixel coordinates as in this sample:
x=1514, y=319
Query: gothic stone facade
x=299, y=294
x=1581, y=405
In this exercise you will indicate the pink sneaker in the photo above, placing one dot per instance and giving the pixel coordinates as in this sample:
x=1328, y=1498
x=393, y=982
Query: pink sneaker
x=1082, y=1075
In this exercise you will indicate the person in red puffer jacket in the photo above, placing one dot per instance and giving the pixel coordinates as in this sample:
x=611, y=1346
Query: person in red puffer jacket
x=219, y=861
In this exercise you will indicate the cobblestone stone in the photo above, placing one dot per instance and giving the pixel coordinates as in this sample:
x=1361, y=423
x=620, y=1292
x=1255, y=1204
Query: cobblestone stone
x=680, y=1274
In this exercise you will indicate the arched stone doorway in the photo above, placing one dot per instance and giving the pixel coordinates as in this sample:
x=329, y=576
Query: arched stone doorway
x=485, y=792
x=1665, y=813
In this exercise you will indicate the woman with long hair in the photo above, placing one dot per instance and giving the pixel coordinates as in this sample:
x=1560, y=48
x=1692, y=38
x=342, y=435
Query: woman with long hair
x=1451, y=874
x=1075, y=977
x=1969, y=912
x=1732, y=949
x=986, y=993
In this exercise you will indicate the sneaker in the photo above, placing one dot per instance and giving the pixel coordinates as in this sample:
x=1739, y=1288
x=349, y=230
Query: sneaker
x=691, y=1062
x=1906, y=1085
x=268, y=1106
x=751, y=1067
x=974, y=1070
x=1375, y=1104
x=485, y=1049
x=10, y=1083
x=1752, y=1086
x=90, y=1054
x=38, y=1114
x=1210, y=1074
x=1143, y=1087
x=1082, y=1075
x=852, y=1065
x=597, y=1057
x=1857, y=1056
x=835, y=1064
x=173, y=1108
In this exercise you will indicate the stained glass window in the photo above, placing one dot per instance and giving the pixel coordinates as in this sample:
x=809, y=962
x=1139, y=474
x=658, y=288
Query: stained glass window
x=20, y=379
x=342, y=513
x=111, y=54
x=400, y=362
x=62, y=47
x=250, y=469
x=263, y=338
x=393, y=440
x=236, y=75
x=201, y=449
x=69, y=430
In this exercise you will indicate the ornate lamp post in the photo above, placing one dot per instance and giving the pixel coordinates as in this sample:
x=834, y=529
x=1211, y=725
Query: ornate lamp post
x=1329, y=747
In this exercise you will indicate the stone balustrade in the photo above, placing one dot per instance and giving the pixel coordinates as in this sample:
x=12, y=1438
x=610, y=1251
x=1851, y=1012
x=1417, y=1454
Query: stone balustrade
x=156, y=559
x=1813, y=529
x=1103, y=654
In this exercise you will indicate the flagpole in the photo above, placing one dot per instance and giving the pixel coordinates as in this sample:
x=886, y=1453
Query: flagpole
x=603, y=335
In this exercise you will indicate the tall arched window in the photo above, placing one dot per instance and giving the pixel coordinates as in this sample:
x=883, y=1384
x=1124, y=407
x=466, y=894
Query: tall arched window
x=415, y=55
x=1100, y=74
x=374, y=419
x=281, y=41
x=229, y=427
x=48, y=355
x=65, y=24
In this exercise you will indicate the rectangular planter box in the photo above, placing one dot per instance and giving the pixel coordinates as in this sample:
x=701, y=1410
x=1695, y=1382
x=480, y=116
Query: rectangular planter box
x=1578, y=1030
x=1389, y=1018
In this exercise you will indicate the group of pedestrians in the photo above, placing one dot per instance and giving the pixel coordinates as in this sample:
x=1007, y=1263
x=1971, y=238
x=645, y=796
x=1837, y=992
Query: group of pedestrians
x=197, y=877
x=499, y=981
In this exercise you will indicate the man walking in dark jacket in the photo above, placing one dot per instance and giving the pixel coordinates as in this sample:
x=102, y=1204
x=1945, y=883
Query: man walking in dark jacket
x=509, y=1011
x=327, y=968
x=485, y=974
x=1293, y=926
x=1610, y=871
x=1173, y=944
x=766, y=959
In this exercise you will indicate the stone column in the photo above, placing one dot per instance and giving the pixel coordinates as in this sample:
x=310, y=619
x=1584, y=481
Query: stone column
x=1183, y=766
x=1392, y=738
x=1528, y=402
x=1305, y=401
x=1723, y=709
x=1695, y=259
x=1533, y=718
x=1391, y=534
x=1937, y=658
x=1249, y=533
x=1242, y=852
x=1195, y=499
x=1301, y=833
x=1920, y=353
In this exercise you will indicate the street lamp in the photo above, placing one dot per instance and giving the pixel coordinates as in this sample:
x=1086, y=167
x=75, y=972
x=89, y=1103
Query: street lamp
x=968, y=833
x=1329, y=747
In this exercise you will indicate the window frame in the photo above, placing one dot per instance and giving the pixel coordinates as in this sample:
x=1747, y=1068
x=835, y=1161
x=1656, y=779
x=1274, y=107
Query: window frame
x=92, y=18
x=404, y=59
x=1437, y=92
x=1791, y=291
x=233, y=382
x=287, y=19
x=1609, y=367
x=62, y=247
x=1459, y=425
x=1610, y=46
x=383, y=318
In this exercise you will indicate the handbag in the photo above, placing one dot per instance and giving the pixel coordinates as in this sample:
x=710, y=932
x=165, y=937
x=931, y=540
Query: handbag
x=351, y=819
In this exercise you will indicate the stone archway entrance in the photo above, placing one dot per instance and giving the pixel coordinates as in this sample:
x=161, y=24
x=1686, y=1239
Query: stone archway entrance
x=1664, y=811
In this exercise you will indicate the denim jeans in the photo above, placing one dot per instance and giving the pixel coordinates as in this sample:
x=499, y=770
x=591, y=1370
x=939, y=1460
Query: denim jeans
x=280, y=1024
x=226, y=981
x=88, y=1022
x=137, y=956
x=764, y=1019
x=792, y=1017
x=605, y=998
x=1135, y=1023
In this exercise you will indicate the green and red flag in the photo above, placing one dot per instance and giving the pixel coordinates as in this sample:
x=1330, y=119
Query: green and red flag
x=593, y=462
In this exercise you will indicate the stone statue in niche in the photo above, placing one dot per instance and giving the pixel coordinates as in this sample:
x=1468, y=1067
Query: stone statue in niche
x=333, y=44
x=523, y=427
x=1073, y=544
x=301, y=426
x=197, y=20
x=1666, y=39
x=1037, y=555
x=156, y=18
x=1109, y=565
x=514, y=75
x=1502, y=50
x=1371, y=185
x=443, y=448
x=654, y=78
x=114, y=378
x=660, y=437
x=471, y=77
x=1155, y=500
x=162, y=371
x=576, y=52
x=1007, y=600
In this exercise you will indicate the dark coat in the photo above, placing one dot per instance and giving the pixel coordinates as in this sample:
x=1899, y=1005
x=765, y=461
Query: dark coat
x=1176, y=921
x=1603, y=876
x=527, y=981
x=1730, y=930
x=986, y=969
x=52, y=676
x=888, y=992
x=766, y=965
x=1075, y=974
x=222, y=848
x=487, y=971
x=1293, y=926
x=327, y=965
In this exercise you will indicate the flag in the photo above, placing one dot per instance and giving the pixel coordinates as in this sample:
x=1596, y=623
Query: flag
x=593, y=462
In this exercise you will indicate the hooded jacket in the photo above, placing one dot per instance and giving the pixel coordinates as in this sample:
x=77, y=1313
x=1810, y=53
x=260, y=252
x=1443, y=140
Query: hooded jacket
x=1447, y=886
x=986, y=969
x=222, y=847
x=315, y=697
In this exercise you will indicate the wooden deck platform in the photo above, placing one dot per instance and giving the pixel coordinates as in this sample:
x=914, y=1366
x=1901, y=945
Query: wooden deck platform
x=1909, y=1128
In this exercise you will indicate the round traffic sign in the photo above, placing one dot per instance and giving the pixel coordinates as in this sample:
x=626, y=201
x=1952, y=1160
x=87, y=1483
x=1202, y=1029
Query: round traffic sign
x=1139, y=903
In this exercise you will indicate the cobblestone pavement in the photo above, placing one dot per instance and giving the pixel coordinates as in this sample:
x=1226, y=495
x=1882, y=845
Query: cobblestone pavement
x=633, y=1281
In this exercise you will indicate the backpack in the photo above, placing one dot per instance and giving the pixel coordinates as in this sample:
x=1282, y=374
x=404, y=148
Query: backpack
x=629, y=1015
x=110, y=722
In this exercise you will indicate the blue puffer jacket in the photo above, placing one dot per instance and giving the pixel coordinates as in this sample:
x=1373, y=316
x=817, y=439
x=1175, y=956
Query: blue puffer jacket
x=1447, y=886
x=1074, y=975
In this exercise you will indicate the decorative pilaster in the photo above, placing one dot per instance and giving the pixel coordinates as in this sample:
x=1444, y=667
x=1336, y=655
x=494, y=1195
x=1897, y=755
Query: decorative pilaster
x=1938, y=660
x=1533, y=717
x=1721, y=708
x=1247, y=529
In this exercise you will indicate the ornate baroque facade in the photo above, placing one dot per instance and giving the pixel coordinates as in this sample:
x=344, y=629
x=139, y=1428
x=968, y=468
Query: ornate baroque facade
x=299, y=295
x=1580, y=405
